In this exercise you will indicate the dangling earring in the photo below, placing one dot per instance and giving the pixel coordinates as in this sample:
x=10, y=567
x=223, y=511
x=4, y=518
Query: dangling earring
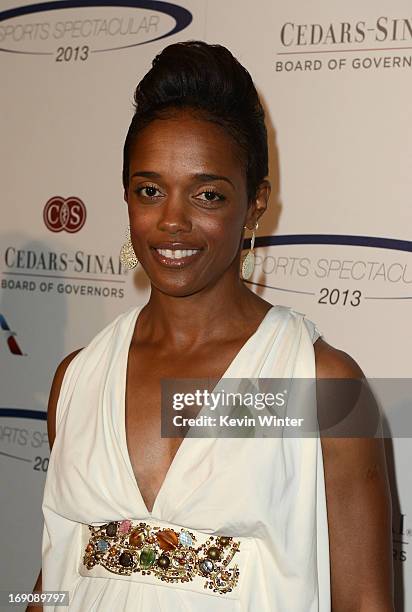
x=127, y=254
x=248, y=263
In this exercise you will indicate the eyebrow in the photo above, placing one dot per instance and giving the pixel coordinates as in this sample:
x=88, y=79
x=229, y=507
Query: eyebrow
x=200, y=176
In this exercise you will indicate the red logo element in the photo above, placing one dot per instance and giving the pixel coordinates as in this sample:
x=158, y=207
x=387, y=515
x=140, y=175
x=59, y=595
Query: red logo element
x=64, y=214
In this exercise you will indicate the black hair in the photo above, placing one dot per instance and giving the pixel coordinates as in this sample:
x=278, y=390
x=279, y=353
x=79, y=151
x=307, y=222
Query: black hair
x=208, y=79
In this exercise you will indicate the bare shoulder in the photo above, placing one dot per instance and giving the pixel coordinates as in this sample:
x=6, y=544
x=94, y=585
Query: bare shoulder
x=54, y=395
x=335, y=399
x=332, y=362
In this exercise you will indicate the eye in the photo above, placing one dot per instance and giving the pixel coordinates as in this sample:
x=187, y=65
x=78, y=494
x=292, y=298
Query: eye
x=210, y=196
x=148, y=191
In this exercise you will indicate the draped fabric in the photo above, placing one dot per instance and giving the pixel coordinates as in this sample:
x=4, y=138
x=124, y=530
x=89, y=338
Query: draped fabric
x=267, y=493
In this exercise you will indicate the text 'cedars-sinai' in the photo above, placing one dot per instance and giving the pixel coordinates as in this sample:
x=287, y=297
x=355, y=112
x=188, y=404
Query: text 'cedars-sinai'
x=383, y=29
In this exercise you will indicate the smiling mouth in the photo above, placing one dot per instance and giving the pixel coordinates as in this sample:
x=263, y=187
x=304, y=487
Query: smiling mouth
x=175, y=258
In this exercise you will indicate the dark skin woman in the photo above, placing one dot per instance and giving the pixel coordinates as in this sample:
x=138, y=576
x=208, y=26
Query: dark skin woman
x=187, y=189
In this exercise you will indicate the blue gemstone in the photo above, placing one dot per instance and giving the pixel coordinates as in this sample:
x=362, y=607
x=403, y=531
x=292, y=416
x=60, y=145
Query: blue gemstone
x=185, y=539
x=102, y=545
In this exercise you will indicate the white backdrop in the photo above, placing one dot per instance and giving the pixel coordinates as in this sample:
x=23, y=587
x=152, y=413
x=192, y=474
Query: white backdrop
x=335, y=244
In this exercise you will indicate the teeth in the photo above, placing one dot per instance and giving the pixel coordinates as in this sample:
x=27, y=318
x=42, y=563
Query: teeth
x=177, y=254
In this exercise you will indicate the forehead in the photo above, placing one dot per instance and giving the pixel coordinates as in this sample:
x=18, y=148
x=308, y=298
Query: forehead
x=183, y=144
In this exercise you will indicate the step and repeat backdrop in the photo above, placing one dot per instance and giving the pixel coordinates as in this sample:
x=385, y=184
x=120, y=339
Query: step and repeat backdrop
x=335, y=244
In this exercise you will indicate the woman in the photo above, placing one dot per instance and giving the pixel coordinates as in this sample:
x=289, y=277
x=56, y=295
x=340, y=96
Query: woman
x=137, y=521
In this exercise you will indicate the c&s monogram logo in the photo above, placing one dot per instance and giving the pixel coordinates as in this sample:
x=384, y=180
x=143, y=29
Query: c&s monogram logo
x=68, y=214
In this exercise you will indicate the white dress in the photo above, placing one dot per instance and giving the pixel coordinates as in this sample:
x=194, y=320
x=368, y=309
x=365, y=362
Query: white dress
x=266, y=496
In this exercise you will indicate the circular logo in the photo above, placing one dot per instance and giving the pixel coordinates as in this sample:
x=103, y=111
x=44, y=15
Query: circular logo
x=64, y=214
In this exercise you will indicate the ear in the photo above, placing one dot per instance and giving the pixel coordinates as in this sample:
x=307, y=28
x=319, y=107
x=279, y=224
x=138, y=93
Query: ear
x=258, y=204
x=125, y=196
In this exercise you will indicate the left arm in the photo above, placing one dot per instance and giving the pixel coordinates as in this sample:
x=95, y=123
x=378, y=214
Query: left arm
x=358, y=505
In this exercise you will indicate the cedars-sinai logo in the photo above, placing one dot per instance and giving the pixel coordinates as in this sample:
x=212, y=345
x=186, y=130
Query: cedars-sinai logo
x=73, y=30
x=68, y=214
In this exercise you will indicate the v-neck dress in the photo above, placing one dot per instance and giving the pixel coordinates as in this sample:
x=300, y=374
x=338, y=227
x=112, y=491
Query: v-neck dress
x=267, y=494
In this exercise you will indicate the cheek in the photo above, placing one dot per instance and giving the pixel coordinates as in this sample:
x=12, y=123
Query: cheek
x=223, y=236
x=141, y=220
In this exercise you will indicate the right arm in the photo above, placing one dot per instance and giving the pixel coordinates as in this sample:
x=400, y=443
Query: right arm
x=51, y=431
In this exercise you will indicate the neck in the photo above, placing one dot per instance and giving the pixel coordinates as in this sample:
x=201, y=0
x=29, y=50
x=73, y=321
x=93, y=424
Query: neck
x=212, y=314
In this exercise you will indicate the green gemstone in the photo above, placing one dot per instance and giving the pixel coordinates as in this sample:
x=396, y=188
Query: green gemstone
x=147, y=557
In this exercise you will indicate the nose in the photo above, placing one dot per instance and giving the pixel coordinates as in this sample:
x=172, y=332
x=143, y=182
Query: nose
x=174, y=217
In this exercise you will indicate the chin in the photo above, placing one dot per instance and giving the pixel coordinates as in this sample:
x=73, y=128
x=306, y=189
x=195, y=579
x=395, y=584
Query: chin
x=174, y=289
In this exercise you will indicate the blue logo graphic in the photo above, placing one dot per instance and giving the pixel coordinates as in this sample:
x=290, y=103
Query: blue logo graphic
x=336, y=239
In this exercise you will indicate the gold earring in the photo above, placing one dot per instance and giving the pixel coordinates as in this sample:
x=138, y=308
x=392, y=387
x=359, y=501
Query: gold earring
x=248, y=263
x=127, y=254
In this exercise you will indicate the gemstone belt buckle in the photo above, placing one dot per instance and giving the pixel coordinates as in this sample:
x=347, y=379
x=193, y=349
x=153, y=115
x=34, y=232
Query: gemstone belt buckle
x=125, y=547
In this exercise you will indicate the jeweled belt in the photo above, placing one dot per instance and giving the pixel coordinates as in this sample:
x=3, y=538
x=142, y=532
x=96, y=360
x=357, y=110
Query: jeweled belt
x=175, y=555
